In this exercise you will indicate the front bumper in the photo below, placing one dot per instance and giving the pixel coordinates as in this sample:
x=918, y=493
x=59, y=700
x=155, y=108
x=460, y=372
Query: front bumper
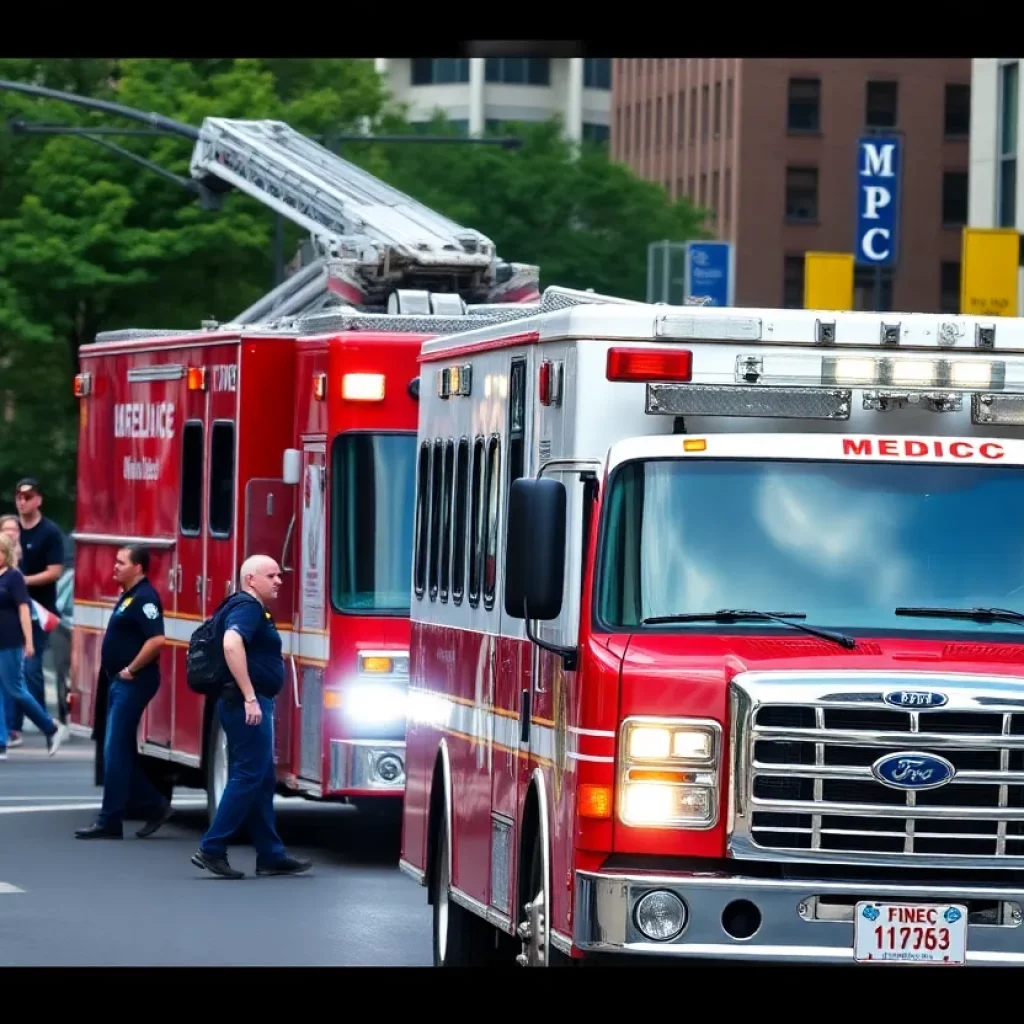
x=366, y=767
x=797, y=921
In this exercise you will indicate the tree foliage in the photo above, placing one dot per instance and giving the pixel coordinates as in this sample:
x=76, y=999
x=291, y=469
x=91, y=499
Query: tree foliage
x=90, y=241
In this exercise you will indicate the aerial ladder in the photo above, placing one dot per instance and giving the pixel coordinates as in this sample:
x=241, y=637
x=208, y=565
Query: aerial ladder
x=375, y=249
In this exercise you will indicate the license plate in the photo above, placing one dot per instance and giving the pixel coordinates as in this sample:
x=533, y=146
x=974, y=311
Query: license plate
x=910, y=933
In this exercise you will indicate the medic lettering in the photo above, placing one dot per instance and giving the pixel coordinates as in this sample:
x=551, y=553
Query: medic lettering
x=912, y=448
x=137, y=419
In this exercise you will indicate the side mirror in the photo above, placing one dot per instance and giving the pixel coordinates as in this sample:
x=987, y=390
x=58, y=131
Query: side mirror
x=291, y=471
x=535, y=557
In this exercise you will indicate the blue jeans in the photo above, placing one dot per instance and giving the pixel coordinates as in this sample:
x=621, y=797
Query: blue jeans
x=249, y=795
x=12, y=682
x=124, y=782
x=33, y=680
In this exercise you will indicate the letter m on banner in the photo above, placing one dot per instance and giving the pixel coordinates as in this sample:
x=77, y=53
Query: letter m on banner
x=879, y=171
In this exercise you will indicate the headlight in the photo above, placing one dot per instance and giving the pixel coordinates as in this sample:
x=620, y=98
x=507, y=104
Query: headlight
x=669, y=772
x=377, y=703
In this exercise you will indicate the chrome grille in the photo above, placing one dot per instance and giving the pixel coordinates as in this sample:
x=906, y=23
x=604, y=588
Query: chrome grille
x=803, y=787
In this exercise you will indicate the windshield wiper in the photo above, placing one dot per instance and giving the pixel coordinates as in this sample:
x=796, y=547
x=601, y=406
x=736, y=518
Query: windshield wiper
x=735, y=615
x=977, y=614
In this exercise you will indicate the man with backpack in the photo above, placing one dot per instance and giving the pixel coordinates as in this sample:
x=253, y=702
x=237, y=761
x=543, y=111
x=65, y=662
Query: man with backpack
x=236, y=655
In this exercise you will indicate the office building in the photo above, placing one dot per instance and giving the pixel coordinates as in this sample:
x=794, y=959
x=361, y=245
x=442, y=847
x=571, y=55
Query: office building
x=996, y=167
x=484, y=93
x=769, y=147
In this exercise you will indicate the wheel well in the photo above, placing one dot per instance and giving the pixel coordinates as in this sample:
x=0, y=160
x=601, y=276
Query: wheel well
x=530, y=832
x=435, y=820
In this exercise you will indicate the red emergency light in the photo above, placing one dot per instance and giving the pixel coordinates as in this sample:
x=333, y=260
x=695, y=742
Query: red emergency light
x=644, y=364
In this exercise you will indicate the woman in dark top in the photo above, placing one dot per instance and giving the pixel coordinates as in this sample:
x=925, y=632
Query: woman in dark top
x=16, y=644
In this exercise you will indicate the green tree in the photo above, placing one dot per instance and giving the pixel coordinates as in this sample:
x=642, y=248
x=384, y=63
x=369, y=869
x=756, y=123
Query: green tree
x=587, y=221
x=90, y=241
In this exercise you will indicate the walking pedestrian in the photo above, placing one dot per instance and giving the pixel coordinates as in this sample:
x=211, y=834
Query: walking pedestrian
x=42, y=562
x=245, y=709
x=10, y=525
x=130, y=656
x=16, y=643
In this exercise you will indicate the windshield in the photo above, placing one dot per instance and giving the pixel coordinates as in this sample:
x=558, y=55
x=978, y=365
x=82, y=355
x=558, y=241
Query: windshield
x=373, y=483
x=843, y=543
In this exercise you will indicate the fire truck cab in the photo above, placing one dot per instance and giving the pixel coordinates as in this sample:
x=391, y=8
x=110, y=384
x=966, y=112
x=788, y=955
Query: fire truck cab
x=716, y=635
x=213, y=445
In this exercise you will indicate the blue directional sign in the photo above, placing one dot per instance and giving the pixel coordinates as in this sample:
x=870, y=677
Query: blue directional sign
x=710, y=272
x=879, y=169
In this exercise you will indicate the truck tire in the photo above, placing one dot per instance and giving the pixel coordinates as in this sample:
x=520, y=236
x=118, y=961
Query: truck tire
x=216, y=768
x=534, y=930
x=461, y=939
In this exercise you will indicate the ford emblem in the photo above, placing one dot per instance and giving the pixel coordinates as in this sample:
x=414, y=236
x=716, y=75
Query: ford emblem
x=913, y=770
x=915, y=699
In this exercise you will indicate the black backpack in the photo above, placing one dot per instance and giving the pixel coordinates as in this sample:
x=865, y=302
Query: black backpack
x=206, y=669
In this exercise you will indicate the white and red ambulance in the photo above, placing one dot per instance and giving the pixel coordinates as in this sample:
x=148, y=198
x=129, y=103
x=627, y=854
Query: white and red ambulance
x=717, y=641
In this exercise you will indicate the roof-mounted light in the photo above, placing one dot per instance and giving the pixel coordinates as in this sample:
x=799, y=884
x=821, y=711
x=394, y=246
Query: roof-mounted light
x=362, y=387
x=644, y=364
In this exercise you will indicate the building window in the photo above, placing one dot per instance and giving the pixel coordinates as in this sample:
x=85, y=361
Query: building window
x=727, y=198
x=949, y=288
x=440, y=70
x=518, y=70
x=793, y=283
x=657, y=121
x=670, y=117
x=802, y=193
x=804, y=111
x=1008, y=89
x=954, y=199
x=705, y=110
x=958, y=111
x=881, y=105
x=597, y=73
x=729, y=94
x=595, y=132
x=868, y=297
x=718, y=109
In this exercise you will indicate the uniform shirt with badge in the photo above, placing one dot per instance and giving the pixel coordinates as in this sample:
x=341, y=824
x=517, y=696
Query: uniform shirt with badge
x=263, y=645
x=138, y=616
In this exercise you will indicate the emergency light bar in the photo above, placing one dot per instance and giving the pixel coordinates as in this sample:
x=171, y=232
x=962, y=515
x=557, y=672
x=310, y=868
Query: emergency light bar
x=362, y=387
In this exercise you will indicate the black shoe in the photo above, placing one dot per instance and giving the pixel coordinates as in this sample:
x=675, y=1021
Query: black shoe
x=98, y=832
x=218, y=865
x=288, y=866
x=155, y=823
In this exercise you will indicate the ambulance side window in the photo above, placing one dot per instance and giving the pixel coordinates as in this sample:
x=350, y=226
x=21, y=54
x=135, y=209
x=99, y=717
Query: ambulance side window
x=422, y=480
x=491, y=550
x=459, y=542
x=222, y=477
x=435, y=518
x=446, y=518
x=476, y=537
x=192, y=478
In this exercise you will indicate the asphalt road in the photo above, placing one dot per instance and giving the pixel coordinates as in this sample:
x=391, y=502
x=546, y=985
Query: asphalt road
x=141, y=903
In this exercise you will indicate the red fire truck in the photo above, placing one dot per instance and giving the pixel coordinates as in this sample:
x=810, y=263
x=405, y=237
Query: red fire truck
x=716, y=638
x=212, y=446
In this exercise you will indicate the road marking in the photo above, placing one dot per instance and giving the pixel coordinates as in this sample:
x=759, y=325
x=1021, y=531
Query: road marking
x=91, y=805
x=6, y=889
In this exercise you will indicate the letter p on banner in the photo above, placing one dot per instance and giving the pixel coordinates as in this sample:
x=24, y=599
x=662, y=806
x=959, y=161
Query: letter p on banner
x=879, y=177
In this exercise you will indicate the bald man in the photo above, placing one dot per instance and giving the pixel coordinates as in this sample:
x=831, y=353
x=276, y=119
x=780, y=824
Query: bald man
x=252, y=650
